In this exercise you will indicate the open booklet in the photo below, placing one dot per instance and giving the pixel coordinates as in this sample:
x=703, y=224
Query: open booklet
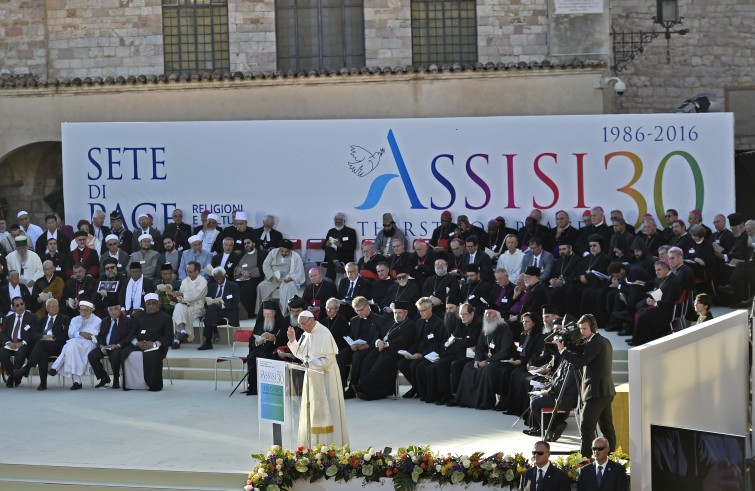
x=353, y=342
x=403, y=352
x=432, y=356
x=600, y=275
x=216, y=301
x=656, y=294
x=490, y=252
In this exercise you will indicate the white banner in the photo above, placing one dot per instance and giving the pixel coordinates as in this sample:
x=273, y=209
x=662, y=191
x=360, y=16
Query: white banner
x=304, y=172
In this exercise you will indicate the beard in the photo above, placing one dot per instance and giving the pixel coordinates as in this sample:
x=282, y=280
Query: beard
x=547, y=328
x=449, y=320
x=339, y=228
x=294, y=321
x=268, y=325
x=489, y=327
x=389, y=233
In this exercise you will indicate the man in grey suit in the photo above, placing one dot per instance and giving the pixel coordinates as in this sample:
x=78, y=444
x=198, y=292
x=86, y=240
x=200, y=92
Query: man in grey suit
x=597, y=382
x=602, y=474
x=536, y=256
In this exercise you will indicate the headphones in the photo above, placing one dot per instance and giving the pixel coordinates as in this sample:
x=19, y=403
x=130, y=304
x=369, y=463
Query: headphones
x=590, y=319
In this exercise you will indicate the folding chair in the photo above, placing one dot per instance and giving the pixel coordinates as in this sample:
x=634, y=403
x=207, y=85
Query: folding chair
x=679, y=314
x=239, y=336
x=550, y=410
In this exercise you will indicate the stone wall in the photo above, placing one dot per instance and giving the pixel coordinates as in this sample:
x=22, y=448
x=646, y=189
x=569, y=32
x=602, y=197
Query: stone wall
x=251, y=26
x=718, y=53
x=22, y=38
x=91, y=38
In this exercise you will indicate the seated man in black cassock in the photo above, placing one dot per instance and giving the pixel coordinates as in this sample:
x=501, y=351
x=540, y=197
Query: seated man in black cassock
x=225, y=295
x=439, y=286
x=402, y=290
x=317, y=293
x=364, y=326
x=496, y=343
x=337, y=324
x=475, y=291
x=434, y=379
x=379, y=369
x=151, y=334
x=430, y=334
x=113, y=336
x=269, y=332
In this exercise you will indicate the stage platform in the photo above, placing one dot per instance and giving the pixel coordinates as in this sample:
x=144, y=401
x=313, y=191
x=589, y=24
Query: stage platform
x=193, y=437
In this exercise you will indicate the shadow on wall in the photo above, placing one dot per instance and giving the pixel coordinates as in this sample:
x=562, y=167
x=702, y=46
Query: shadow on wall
x=31, y=179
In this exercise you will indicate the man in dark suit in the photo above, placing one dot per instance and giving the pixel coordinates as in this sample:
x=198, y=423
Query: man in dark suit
x=132, y=296
x=597, y=382
x=352, y=286
x=17, y=340
x=112, y=337
x=178, y=230
x=602, y=474
x=475, y=256
x=544, y=476
x=52, y=232
x=153, y=329
x=50, y=334
x=225, y=305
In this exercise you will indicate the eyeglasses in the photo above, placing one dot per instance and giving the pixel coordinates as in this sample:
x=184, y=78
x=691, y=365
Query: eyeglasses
x=536, y=452
x=598, y=448
x=110, y=267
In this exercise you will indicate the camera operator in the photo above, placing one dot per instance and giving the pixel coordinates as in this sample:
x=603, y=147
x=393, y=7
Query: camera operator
x=597, y=382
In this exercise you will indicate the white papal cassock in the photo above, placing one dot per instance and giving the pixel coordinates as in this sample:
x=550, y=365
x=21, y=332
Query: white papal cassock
x=322, y=388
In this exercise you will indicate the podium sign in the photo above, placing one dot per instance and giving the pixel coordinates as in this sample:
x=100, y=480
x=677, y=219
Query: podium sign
x=271, y=387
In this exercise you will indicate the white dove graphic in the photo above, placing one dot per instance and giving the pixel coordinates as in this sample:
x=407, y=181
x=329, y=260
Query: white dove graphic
x=364, y=160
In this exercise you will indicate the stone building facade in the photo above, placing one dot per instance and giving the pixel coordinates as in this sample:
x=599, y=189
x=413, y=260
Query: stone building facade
x=105, y=60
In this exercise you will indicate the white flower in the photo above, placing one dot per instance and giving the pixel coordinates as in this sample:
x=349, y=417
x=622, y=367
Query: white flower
x=437, y=467
x=248, y=487
x=389, y=463
x=347, y=455
x=414, y=459
x=280, y=473
x=466, y=463
x=318, y=456
x=275, y=448
x=279, y=462
x=367, y=457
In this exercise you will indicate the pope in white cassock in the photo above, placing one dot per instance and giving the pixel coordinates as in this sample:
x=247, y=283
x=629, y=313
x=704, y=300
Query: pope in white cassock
x=82, y=338
x=322, y=384
x=284, y=273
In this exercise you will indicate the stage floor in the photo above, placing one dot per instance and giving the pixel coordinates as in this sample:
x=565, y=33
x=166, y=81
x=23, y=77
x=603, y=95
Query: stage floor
x=190, y=426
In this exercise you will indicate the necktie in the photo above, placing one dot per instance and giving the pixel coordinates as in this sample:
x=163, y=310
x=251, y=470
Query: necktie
x=539, y=482
x=220, y=291
x=113, y=337
x=49, y=325
x=17, y=329
x=599, y=475
x=534, y=263
x=471, y=259
x=350, y=293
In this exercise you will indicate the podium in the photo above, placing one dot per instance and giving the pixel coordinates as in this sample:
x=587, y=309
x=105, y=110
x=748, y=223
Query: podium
x=283, y=402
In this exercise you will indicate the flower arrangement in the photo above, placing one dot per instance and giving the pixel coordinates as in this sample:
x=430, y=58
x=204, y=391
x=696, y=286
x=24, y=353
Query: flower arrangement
x=279, y=469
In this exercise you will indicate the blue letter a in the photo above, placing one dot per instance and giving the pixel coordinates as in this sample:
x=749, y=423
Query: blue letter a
x=378, y=185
